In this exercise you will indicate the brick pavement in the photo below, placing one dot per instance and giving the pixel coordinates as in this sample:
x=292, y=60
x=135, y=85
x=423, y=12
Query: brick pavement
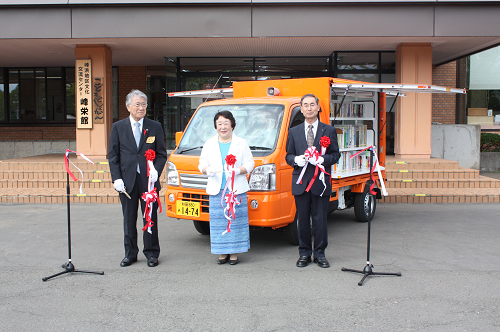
x=42, y=179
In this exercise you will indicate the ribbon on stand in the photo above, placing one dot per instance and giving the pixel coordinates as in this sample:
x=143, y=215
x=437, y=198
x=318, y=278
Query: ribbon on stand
x=379, y=172
x=66, y=164
x=231, y=199
x=151, y=195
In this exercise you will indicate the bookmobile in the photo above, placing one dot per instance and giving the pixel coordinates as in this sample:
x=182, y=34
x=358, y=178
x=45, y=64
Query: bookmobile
x=264, y=112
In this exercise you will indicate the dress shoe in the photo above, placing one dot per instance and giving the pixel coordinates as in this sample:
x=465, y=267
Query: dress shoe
x=153, y=261
x=128, y=261
x=233, y=262
x=303, y=261
x=223, y=261
x=321, y=261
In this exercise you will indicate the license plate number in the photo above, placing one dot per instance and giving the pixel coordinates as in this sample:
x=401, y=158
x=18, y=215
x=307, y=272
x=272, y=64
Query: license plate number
x=186, y=208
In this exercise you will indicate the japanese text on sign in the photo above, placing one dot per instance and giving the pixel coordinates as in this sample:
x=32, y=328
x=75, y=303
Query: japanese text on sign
x=84, y=114
x=98, y=100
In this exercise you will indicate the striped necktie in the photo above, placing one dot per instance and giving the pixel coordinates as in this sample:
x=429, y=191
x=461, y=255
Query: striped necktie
x=310, y=136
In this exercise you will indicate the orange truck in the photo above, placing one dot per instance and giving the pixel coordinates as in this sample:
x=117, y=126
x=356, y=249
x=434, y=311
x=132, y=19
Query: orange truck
x=264, y=113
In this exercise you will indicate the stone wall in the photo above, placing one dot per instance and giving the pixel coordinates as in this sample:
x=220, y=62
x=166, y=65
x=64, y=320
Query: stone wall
x=458, y=143
x=490, y=161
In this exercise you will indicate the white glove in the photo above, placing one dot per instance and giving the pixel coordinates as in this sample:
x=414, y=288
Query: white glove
x=300, y=160
x=119, y=185
x=153, y=174
x=236, y=170
x=317, y=162
x=210, y=171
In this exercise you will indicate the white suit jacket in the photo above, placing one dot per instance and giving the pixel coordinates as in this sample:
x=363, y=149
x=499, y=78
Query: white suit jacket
x=210, y=156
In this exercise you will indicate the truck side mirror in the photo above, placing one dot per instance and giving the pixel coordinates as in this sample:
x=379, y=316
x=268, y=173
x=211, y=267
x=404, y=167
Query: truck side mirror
x=178, y=136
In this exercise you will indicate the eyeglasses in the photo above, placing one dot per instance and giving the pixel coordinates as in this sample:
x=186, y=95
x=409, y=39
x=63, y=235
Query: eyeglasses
x=140, y=104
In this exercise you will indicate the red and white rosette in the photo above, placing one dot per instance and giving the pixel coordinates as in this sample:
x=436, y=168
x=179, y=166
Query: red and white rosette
x=231, y=199
x=376, y=165
x=312, y=155
x=151, y=195
x=66, y=164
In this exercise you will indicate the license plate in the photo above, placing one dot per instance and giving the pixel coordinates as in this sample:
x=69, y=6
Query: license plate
x=187, y=208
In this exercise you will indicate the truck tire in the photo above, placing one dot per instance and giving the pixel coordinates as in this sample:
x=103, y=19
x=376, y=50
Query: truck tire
x=202, y=227
x=292, y=232
x=365, y=205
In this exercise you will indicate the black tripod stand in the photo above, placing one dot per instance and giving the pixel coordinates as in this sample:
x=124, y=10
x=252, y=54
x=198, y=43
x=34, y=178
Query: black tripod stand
x=368, y=270
x=69, y=267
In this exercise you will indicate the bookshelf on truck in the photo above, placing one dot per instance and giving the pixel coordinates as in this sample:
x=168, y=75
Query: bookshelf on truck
x=264, y=113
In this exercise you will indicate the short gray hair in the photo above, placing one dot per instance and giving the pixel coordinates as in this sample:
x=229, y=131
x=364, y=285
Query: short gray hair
x=133, y=93
x=309, y=95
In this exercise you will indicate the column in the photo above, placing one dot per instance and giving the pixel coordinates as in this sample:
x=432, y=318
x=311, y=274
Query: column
x=414, y=112
x=94, y=142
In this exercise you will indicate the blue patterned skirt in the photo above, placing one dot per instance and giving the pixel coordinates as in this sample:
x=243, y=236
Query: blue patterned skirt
x=236, y=241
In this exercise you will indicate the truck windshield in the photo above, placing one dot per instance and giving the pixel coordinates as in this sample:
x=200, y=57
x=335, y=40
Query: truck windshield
x=259, y=124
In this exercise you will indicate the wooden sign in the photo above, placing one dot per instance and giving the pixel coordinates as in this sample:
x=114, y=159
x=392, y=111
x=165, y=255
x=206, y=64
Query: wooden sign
x=97, y=99
x=83, y=94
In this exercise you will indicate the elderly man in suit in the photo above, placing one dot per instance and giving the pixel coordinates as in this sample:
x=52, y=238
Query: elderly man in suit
x=312, y=204
x=130, y=139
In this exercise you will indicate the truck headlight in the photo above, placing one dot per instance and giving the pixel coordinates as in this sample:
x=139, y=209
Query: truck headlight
x=263, y=178
x=172, y=175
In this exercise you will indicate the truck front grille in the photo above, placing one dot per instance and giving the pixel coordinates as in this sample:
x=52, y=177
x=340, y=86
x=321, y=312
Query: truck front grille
x=203, y=199
x=194, y=181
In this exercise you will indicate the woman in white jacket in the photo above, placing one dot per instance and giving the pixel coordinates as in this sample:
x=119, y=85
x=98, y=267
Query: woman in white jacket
x=212, y=163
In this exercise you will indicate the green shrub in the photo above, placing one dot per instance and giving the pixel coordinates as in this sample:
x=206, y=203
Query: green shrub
x=490, y=142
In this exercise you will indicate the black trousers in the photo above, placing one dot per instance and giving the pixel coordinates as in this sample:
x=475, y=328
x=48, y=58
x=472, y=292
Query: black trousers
x=129, y=209
x=315, y=208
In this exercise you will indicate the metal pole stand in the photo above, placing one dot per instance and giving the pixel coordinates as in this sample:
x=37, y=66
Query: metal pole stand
x=69, y=267
x=368, y=270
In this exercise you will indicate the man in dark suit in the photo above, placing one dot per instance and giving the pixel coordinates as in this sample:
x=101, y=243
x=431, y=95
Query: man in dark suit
x=312, y=204
x=130, y=139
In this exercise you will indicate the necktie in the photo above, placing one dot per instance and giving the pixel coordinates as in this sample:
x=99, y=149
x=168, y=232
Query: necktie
x=310, y=136
x=137, y=136
x=137, y=133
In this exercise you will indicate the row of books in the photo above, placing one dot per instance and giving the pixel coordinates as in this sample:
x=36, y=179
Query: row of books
x=347, y=110
x=346, y=164
x=351, y=136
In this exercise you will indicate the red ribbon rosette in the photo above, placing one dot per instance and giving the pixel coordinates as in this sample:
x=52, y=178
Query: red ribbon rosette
x=230, y=160
x=150, y=156
x=325, y=141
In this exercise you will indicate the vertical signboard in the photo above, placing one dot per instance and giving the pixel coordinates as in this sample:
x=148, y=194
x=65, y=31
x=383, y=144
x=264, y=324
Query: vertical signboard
x=84, y=114
x=97, y=100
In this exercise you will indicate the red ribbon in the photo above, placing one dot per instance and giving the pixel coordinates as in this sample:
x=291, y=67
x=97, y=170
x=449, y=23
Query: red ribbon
x=150, y=197
x=66, y=164
x=312, y=153
x=231, y=198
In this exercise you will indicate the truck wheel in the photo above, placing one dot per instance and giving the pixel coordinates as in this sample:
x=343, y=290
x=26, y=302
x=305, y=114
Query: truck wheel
x=365, y=205
x=292, y=233
x=202, y=227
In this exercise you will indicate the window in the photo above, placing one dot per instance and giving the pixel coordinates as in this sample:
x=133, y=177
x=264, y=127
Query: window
x=37, y=95
x=2, y=96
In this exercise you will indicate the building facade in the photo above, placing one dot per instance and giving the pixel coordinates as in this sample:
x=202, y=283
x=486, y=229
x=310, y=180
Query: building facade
x=164, y=46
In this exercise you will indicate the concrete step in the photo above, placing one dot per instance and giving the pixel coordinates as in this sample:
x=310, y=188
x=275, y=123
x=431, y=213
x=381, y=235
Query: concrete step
x=55, y=183
x=481, y=182
x=442, y=195
x=418, y=174
x=434, y=163
x=42, y=179
x=53, y=175
x=58, y=195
